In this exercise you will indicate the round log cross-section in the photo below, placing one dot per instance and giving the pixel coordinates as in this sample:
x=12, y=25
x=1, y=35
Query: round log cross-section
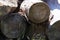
x=39, y=12
x=13, y=25
x=54, y=32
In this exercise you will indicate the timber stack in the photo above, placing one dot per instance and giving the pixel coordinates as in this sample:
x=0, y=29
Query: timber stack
x=32, y=24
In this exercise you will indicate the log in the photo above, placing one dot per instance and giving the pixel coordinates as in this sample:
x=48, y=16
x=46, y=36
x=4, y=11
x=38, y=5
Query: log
x=36, y=11
x=39, y=12
x=13, y=25
x=54, y=32
x=37, y=31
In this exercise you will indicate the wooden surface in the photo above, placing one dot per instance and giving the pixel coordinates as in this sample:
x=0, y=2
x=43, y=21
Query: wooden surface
x=39, y=12
x=37, y=31
x=13, y=25
x=54, y=32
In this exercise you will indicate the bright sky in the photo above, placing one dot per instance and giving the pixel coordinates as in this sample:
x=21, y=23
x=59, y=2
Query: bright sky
x=55, y=12
x=59, y=1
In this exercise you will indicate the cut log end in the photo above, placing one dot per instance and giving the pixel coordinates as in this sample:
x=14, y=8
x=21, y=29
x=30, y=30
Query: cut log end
x=39, y=12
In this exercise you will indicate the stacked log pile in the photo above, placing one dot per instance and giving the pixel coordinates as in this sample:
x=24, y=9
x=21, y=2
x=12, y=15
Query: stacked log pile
x=14, y=24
